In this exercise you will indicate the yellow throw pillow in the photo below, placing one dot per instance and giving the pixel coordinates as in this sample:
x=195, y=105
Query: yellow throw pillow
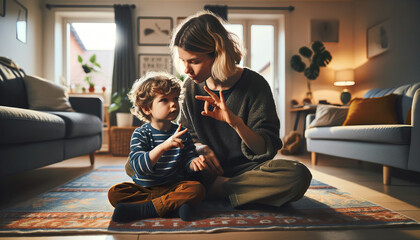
x=408, y=120
x=365, y=111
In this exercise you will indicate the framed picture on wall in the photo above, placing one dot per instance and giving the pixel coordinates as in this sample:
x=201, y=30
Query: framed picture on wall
x=179, y=20
x=154, y=31
x=154, y=62
x=2, y=8
x=377, y=39
x=324, y=30
x=21, y=22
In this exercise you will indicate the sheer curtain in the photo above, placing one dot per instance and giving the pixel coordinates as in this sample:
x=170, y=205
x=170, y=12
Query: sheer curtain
x=124, y=73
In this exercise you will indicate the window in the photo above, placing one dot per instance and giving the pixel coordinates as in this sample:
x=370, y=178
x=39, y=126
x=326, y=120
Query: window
x=258, y=38
x=86, y=39
x=262, y=51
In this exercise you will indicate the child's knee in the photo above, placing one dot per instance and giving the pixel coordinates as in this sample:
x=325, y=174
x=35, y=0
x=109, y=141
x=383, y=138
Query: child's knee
x=112, y=196
x=198, y=191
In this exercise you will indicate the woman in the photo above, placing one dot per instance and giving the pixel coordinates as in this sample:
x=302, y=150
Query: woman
x=231, y=115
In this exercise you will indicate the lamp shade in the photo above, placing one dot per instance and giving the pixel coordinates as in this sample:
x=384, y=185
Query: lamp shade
x=344, y=77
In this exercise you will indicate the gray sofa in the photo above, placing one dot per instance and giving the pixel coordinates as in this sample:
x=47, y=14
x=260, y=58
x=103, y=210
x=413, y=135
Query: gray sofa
x=31, y=139
x=390, y=145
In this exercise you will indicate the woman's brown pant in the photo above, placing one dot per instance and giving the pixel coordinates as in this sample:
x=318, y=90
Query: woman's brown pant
x=165, y=198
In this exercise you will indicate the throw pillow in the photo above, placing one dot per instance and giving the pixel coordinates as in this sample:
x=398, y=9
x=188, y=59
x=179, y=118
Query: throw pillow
x=377, y=110
x=329, y=115
x=408, y=119
x=46, y=95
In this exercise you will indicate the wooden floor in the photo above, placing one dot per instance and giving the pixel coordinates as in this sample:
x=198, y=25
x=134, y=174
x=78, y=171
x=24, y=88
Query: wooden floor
x=361, y=179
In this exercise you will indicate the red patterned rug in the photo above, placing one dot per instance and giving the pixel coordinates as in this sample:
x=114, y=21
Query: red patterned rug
x=81, y=206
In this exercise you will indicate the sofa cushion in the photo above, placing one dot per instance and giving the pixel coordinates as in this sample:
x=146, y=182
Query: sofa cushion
x=19, y=125
x=79, y=124
x=46, y=95
x=329, y=115
x=393, y=134
x=377, y=110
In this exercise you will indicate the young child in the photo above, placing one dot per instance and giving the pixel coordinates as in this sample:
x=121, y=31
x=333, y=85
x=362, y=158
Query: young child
x=162, y=156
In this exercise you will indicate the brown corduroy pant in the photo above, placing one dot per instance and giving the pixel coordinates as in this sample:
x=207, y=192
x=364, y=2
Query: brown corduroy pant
x=165, y=198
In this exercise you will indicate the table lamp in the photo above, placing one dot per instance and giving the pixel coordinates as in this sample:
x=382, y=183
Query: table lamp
x=344, y=78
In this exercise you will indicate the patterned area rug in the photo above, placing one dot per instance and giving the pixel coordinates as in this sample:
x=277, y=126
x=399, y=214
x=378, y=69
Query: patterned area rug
x=81, y=206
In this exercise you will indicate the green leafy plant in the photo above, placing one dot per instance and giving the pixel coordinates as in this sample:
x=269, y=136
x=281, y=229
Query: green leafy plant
x=317, y=57
x=120, y=102
x=89, y=67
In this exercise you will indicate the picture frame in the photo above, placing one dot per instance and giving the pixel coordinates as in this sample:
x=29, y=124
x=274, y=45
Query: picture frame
x=324, y=30
x=21, y=22
x=377, y=39
x=180, y=20
x=2, y=8
x=154, y=31
x=154, y=62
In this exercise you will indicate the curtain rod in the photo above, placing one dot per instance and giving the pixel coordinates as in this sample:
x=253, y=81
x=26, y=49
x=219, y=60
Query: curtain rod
x=49, y=6
x=289, y=8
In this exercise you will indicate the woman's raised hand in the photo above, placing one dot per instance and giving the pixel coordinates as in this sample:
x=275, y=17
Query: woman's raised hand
x=220, y=112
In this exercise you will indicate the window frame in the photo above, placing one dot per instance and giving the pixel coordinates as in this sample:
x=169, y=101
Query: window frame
x=246, y=25
x=75, y=18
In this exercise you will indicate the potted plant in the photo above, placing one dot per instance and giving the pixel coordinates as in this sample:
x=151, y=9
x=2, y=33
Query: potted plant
x=122, y=105
x=89, y=67
x=317, y=57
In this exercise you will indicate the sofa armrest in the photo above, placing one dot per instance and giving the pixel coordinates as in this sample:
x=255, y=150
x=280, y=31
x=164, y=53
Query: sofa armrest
x=309, y=118
x=89, y=105
x=414, y=155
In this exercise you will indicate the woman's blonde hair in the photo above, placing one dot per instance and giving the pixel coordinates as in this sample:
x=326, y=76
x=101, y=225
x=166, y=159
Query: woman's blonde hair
x=144, y=90
x=204, y=33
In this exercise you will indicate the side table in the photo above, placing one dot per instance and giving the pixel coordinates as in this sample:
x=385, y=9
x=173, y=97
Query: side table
x=305, y=111
x=120, y=138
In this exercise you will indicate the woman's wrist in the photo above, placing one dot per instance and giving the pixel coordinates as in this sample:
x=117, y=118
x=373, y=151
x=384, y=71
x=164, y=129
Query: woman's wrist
x=236, y=123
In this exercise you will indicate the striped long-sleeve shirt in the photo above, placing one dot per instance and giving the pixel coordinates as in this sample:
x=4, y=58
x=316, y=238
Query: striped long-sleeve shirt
x=173, y=164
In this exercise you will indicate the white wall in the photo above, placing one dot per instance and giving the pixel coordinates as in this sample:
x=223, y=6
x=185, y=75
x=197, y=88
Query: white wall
x=26, y=55
x=400, y=64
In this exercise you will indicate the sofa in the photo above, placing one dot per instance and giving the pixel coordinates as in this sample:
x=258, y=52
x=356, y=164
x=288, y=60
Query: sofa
x=394, y=145
x=33, y=137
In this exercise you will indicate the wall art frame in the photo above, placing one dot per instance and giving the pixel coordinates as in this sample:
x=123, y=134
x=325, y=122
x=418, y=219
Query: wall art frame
x=22, y=23
x=2, y=8
x=324, y=30
x=179, y=20
x=154, y=31
x=154, y=62
x=377, y=39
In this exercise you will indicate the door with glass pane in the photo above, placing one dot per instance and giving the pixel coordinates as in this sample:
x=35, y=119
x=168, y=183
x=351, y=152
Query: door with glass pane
x=259, y=40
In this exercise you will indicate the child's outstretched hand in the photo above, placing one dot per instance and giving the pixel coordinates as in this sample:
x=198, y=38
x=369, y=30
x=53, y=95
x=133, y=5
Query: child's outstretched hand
x=174, y=141
x=198, y=164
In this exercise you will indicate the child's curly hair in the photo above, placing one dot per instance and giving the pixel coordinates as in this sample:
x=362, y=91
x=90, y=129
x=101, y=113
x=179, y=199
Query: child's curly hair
x=144, y=90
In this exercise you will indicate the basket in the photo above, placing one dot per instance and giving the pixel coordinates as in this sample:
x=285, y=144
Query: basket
x=120, y=140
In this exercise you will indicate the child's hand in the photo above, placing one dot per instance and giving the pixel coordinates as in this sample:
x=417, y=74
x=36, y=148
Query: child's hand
x=198, y=164
x=174, y=141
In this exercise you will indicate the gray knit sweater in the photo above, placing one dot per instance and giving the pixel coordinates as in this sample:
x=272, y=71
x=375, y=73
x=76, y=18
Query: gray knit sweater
x=252, y=100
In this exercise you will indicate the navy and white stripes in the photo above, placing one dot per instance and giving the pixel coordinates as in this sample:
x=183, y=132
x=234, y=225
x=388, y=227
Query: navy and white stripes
x=172, y=166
